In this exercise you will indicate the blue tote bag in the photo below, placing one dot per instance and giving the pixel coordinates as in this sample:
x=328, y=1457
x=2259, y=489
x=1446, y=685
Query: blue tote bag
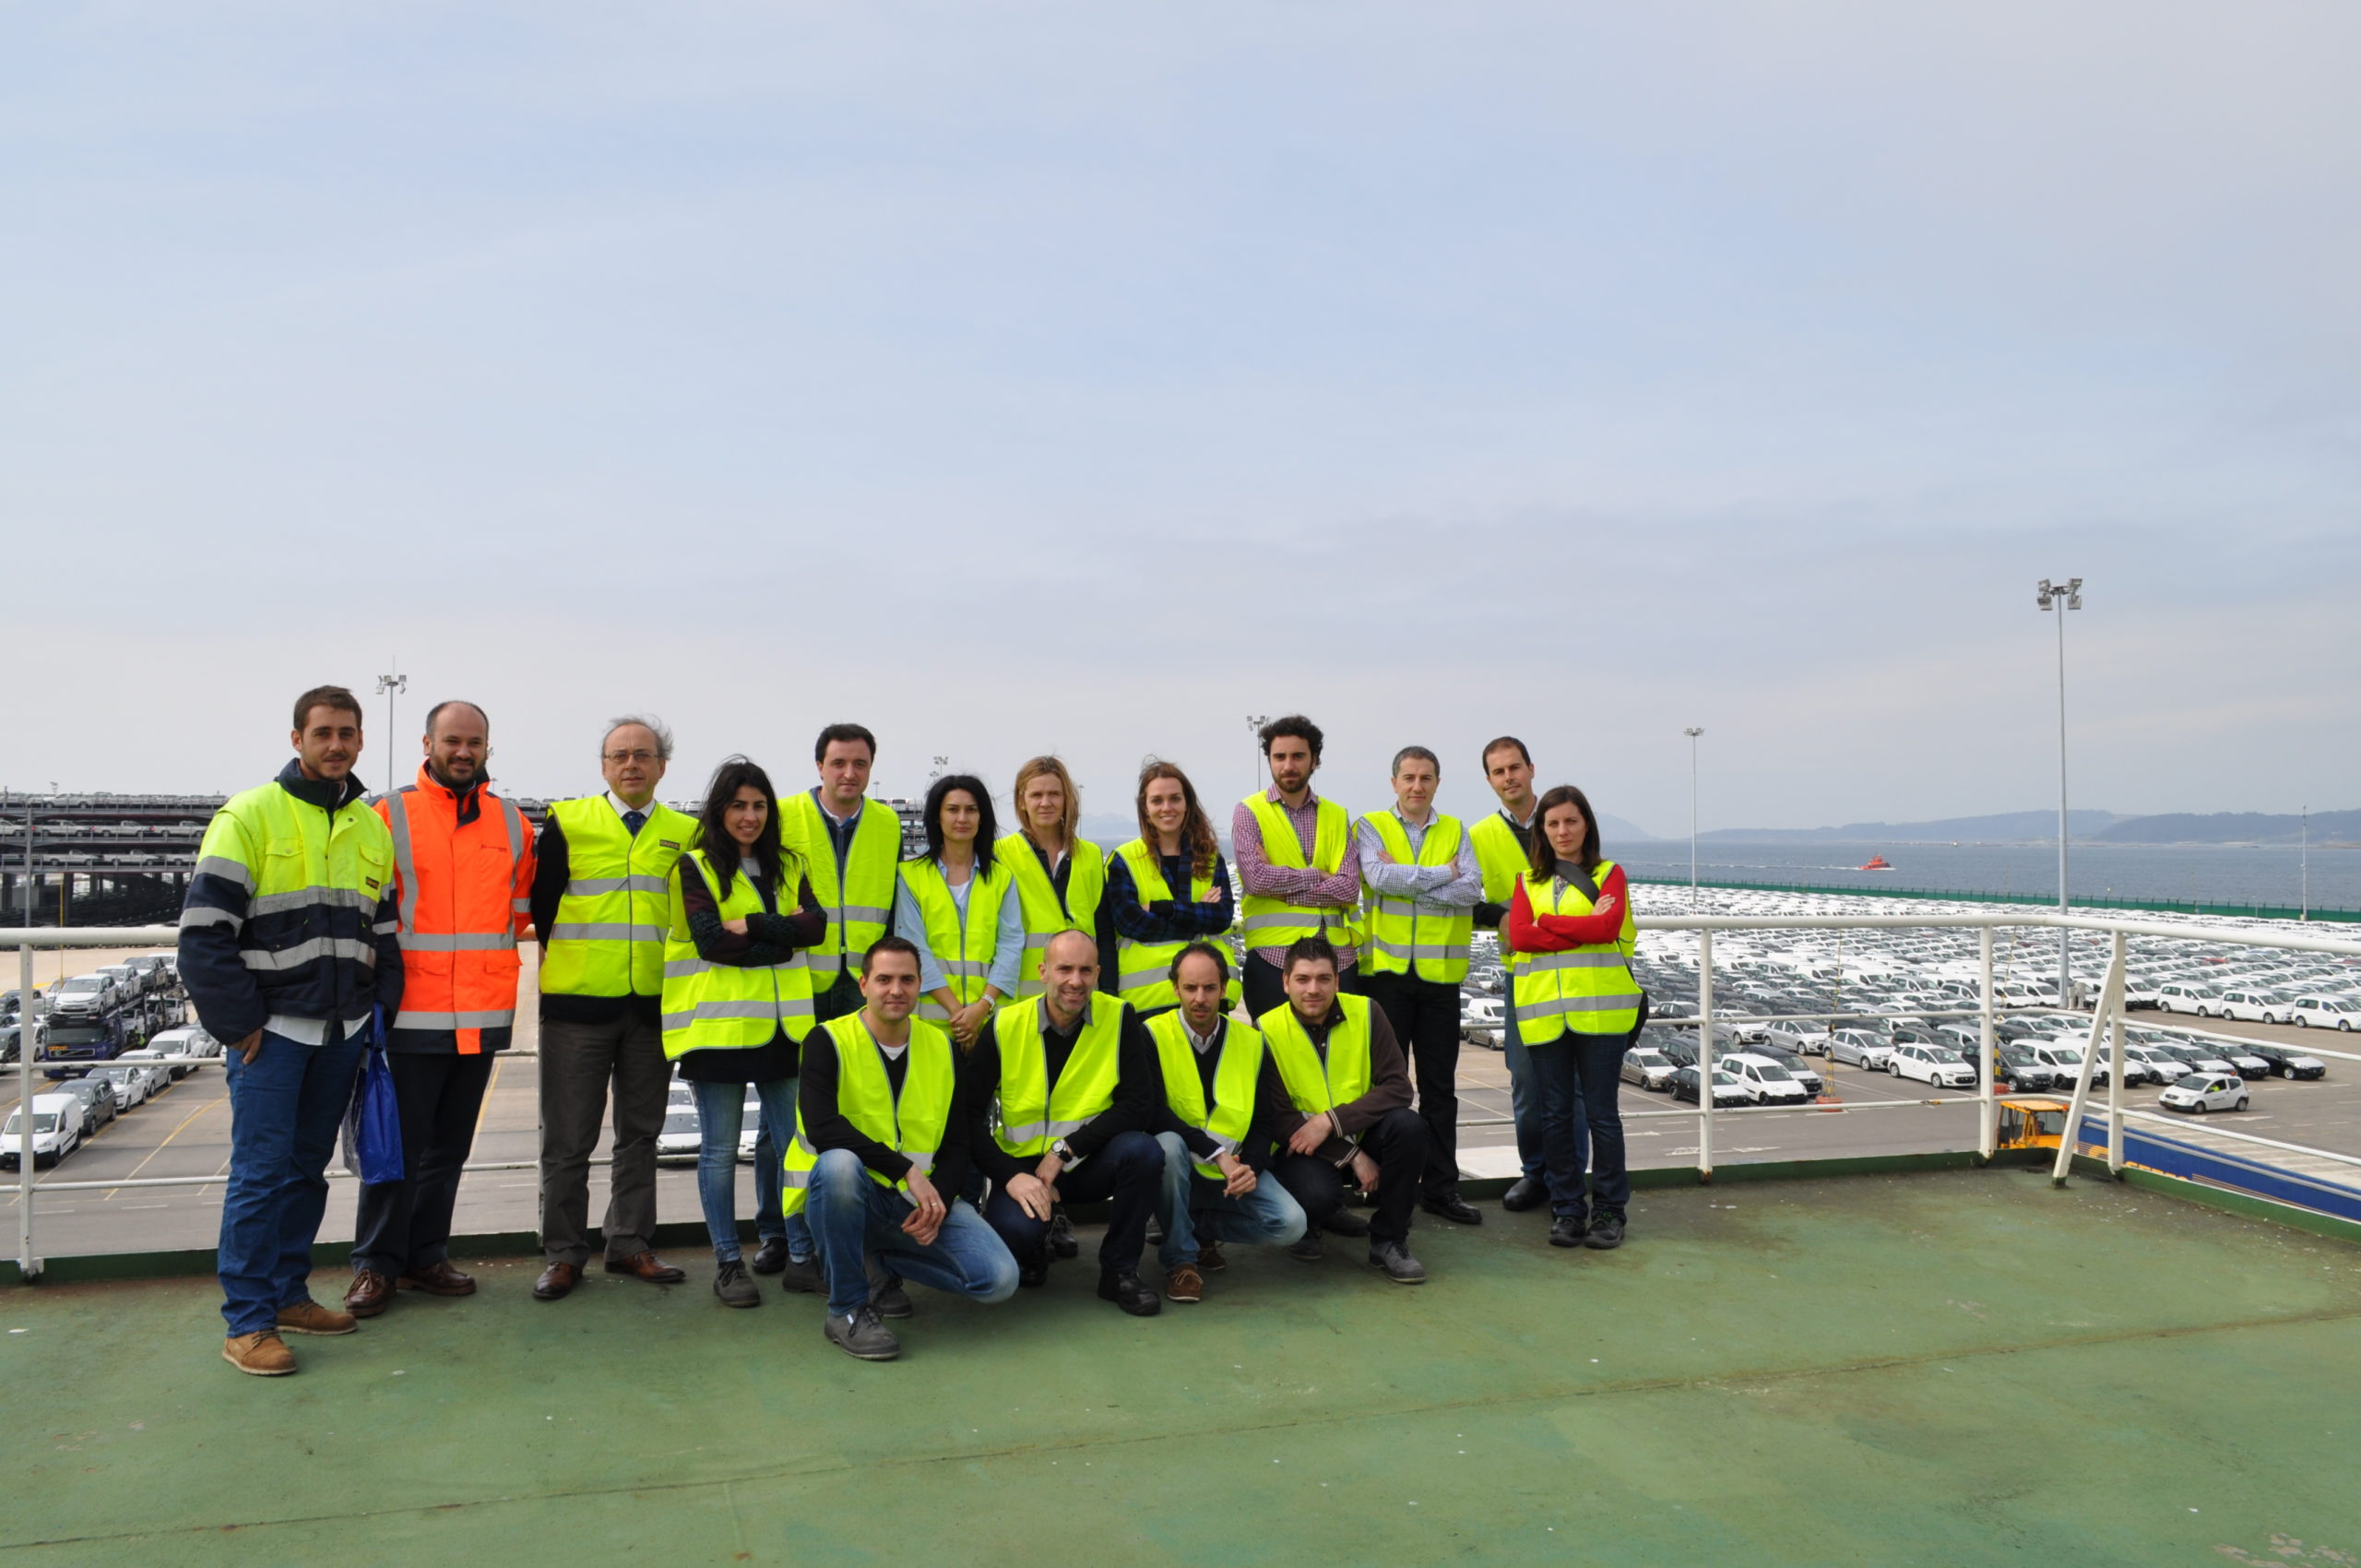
x=373, y=1128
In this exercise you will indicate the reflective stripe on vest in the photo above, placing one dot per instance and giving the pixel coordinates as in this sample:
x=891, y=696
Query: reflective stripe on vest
x=607, y=936
x=459, y=909
x=1588, y=991
x=858, y=898
x=1314, y=1084
x=1144, y=970
x=1502, y=855
x=963, y=949
x=1274, y=922
x=710, y=1006
x=1033, y=1113
x=1047, y=912
x=1240, y=1063
x=1401, y=939
x=331, y=868
x=912, y=1124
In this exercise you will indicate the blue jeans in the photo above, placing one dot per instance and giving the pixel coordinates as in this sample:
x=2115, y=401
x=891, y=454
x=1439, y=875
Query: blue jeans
x=1268, y=1215
x=721, y=1110
x=853, y=1216
x=1578, y=1077
x=286, y=1107
x=1524, y=1097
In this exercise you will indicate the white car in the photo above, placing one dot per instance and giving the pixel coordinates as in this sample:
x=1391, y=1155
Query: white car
x=135, y=1083
x=2202, y=1092
x=1765, y=1082
x=2253, y=1006
x=1481, y=1021
x=2162, y=1068
x=57, y=1131
x=83, y=994
x=1860, y=1048
x=2314, y=1011
x=1649, y=1068
x=189, y=1039
x=1804, y=1040
x=1935, y=1065
x=2188, y=996
x=679, y=1142
x=750, y=1124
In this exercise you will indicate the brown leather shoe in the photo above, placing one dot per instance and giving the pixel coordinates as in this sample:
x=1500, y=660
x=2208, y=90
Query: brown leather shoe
x=438, y=1278
x=308, y=1316
x=647, y=1266
x=1184, y=1283
x=557, y=1280
x=372, y=1294
x=264, y=1355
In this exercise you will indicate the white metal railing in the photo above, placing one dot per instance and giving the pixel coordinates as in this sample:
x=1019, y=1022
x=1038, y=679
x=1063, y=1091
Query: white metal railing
x=2107, y=1021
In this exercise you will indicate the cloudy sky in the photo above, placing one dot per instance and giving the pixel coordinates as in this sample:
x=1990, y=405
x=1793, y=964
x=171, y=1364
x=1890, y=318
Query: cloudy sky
x=1087, y=377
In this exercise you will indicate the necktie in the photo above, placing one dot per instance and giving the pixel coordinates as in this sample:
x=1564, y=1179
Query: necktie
x=634, y=821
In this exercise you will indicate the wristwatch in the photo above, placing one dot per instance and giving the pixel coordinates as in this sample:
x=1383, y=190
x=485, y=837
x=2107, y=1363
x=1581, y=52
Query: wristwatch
x=1064, y=1151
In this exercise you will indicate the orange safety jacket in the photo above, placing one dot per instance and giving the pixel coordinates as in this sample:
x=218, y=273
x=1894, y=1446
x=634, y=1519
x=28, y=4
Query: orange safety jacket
x=463, y=890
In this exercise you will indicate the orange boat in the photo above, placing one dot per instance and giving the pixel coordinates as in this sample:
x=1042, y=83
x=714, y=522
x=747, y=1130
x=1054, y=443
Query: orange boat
x=1877, y=862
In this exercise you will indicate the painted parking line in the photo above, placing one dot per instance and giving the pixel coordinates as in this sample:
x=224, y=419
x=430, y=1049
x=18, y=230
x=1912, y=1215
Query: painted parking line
x=175, y=1133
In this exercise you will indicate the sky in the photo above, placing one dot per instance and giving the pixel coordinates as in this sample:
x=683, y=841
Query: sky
x=1087, y=379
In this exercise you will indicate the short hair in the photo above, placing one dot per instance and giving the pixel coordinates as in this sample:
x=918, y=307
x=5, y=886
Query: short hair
x=1201, y=950
x=889, y=942
x=1422, y=754
x=1309, y=950
x=1047, y=768
x=836, y=732
x=436, y=712
x=335, y=699
x=1503, y=741
x=647, y=721
x=1294, y=724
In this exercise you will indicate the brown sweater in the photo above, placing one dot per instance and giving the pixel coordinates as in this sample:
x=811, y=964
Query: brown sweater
x=1389, y=1087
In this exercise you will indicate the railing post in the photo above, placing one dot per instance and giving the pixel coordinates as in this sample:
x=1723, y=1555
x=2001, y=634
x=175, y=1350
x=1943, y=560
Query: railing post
x=1987, y=1111
x=28, y=1266
x=1705, y=1055
x=2111, y=1003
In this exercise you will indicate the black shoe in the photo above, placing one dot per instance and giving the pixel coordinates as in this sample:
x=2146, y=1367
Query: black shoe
x=885, y=1292
x=1452, y=1207
x=1034, y=1272
x=1344, y=1222
x=1399, y=1266
x=1525, y=1192
x=1566, y=1231
x=862, y=1335
x=1127, y=1291
x=802, y=1275
x=1062, y=1241
x=729, y=1283
x=1605, y=1231
x=1307, y=1250
x=771, y=1256
x=1209, y=1258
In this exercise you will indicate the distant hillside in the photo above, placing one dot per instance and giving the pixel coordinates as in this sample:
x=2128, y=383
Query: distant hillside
x=2004, y=827
x=2232, y=827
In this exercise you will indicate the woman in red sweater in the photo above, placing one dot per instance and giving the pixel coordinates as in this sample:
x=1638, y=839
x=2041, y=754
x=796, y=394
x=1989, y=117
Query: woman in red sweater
x=1576, y=1014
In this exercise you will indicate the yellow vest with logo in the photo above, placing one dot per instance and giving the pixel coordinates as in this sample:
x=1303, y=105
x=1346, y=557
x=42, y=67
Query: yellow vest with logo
x=1144, y=970
x=912, y=1124
x=1033, y=1113
x=712, y=1007
x=1401, y=940
x=608, y=938
x=963, y=948
x=1274, y=922
x=859, y=898
x=1313, y=1085
x=1502, y=855
x=1588, y=991
x=1235, y=1075
x=1045, y=913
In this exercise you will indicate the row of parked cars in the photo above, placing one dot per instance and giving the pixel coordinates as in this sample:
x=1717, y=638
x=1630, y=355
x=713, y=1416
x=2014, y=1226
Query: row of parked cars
x=109, y=1032
x=683, y=1133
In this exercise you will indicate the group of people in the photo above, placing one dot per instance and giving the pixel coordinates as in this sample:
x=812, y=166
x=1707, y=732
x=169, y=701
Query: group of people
x=941, y=1053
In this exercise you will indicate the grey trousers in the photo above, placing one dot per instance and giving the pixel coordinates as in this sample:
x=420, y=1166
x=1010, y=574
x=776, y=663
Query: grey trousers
x=578, y=1062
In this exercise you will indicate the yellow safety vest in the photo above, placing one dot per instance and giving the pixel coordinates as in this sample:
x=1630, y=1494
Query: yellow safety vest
x=1234, y=1078
x=608, y=938
x=1144, y=970
x=1274, y=922
x=1502, y=855
x=1033, y=1113
x=1046, y=914
x=1401, y=940
x=1588, y=991
x=314, y=879
x=964, y=949
x=911, y=1125
x=1312, y=1085
x=859, y=898
x=729, y=1006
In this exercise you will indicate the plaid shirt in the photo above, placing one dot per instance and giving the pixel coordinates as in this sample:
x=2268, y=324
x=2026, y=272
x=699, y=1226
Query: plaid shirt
x=1339, y=890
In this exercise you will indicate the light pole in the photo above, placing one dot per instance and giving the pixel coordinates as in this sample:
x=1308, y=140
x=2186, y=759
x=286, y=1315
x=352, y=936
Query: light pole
x=2303, y=910
x=1254, y=722
x=389, y=687
x=1692, y=732
x=2059, y=599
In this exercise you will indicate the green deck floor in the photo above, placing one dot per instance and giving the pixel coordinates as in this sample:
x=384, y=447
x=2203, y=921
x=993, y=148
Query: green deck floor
x=1940, y=1369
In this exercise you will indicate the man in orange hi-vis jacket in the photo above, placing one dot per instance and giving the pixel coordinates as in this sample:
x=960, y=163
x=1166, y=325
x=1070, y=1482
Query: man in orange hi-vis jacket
x=462, y=867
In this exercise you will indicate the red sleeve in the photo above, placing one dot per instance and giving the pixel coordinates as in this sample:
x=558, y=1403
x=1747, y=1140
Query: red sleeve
x=1525, y=935
x=1587, y=930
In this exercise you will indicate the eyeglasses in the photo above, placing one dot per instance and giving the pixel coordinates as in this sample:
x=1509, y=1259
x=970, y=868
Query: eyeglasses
x=629, y=756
